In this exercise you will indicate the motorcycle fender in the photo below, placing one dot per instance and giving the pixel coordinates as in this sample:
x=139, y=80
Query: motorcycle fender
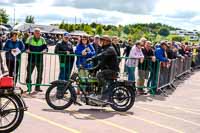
x=59, y=82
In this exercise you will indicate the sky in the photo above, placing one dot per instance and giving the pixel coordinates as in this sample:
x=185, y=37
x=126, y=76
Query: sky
x=183, y=14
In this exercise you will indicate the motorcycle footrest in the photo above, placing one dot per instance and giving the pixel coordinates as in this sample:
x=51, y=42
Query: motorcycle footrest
x=77, y=103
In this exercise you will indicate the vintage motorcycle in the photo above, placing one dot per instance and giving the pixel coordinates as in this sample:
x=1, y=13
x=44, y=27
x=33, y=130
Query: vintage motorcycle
x=61, y=94
x=12, y=105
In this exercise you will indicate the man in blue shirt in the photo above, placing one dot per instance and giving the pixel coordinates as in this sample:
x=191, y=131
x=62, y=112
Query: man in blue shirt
x=160, y=52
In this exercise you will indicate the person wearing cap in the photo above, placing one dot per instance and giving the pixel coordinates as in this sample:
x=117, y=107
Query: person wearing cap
x=64, y=48
x=84, y=50
x=161, y=56
x=160, y=52
x=13, y=48
x=35, y=43
x=108, y=66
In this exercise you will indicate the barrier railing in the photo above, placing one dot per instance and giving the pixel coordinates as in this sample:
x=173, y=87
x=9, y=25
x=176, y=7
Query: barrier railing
x=48, y=67
x=196, y=60
x=170, y=71
x=149, y=74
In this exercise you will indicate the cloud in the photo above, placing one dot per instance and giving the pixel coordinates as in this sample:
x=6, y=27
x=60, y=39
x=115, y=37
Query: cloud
x=178, y=13
x=183, y=14
x=11, y=2
x=127, y=6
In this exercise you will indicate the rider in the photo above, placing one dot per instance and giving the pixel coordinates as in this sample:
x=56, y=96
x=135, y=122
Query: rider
x=108, y=66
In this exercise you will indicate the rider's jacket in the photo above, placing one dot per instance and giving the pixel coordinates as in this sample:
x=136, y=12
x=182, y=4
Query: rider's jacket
x=108, y=58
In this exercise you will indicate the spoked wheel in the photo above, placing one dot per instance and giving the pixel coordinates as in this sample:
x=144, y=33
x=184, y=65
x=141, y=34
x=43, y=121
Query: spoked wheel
x=59, y=99
x=11, y=113
x=122, y=97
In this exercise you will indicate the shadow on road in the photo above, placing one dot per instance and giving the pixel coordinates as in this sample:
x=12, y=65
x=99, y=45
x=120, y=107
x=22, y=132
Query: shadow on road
x=91, y=114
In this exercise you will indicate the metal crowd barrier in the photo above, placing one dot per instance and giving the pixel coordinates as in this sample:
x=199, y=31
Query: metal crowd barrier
x=196, y=60
x=149, y=74
x=146, y=73
x=170, y=71
x=45, y=68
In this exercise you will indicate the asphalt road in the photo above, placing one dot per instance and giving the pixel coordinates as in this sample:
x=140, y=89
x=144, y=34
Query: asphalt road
x=179, y=112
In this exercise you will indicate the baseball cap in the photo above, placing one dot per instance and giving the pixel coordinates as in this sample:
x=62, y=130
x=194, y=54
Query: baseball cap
x=37, y=29
x=66, y=34
x=96, y=36
x=106, y=37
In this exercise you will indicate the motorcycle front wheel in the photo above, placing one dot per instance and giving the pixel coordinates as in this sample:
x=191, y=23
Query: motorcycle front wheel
x=122, y=98
x=59, y=98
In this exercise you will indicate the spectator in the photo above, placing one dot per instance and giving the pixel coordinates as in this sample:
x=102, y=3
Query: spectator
x=36, y=43
x=127, y=48
x=13, y=47
x=161, y=55
x=1, y=48
x=135, y=56
x=115, y=43
x=182, y=49
x=84, y=50
x=171, y=50
x=145, y=67
x=96, y=44
x=160, y=52
x=66, y=62
x=25, y=37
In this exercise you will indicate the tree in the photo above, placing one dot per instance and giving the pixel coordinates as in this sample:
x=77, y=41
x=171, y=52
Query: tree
x=178, y=38
x=62, y=25
x=126, y=29
x=163, y=32
x=87, y=29
x=3, y=16
x=99, y=30
x=30, y=19
x=93, y=25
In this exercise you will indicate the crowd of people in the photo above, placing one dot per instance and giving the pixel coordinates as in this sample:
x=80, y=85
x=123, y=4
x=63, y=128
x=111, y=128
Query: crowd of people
x=141, y=54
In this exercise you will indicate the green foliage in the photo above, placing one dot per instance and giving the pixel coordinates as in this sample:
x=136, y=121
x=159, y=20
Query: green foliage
x=88, y=29
x=99, y=30
x=30, y=19
x=3, y=16
x=163, y=31
x=93, y=25
x=62, y=25
x=152, y=31
x=178, y=38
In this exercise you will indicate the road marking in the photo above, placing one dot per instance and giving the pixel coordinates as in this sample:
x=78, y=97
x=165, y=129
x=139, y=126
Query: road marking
x=167, y=115
x=174, y=107
x=52, y=123
x=150, y=122
x=94, y=118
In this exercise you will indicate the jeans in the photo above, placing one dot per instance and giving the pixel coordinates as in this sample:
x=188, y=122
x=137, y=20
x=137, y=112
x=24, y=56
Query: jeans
x=131, y=73
x=65, y=71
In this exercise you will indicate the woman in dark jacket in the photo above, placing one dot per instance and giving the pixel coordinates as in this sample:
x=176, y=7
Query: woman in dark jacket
x=13, y=47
